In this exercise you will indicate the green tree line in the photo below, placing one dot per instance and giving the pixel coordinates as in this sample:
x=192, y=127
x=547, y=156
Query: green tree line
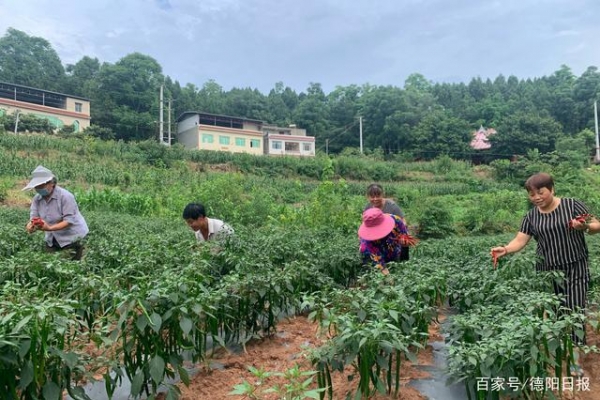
x=419, y=118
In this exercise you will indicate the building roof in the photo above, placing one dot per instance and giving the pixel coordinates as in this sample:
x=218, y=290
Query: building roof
x=480, y=138
x=5, y=86
x=186, y=114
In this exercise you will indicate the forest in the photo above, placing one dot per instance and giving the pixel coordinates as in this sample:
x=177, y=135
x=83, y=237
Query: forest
x=418, y=119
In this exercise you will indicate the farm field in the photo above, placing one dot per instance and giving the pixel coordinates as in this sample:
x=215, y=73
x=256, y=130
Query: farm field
x=147, y=301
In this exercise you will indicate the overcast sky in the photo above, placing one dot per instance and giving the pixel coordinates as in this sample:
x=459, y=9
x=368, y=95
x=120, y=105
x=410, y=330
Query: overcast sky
x=256, y=43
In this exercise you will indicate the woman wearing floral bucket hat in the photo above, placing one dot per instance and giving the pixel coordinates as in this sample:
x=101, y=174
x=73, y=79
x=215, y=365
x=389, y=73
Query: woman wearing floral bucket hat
x=382, y=237
x=55, y=211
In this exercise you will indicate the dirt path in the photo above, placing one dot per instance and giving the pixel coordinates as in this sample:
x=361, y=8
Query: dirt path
x=280, y=353
x=288, y=348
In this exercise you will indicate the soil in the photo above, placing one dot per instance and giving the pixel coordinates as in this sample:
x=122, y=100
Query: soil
x=281, y=352
x=288, y=347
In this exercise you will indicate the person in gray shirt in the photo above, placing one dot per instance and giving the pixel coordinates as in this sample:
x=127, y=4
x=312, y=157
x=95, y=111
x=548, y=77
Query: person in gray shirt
x=375, y=195
x=55, y=211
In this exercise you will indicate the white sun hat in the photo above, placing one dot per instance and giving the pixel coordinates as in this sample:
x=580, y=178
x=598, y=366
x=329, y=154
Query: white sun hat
x=39, y=176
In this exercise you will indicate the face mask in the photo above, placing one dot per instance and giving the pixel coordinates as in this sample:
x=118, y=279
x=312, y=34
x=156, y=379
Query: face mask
x=42, y=192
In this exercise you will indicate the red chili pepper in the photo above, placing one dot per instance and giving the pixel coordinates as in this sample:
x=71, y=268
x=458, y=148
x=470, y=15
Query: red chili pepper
x=407, y=240
x=495, y=259
x=583, y=218
x=37, y=222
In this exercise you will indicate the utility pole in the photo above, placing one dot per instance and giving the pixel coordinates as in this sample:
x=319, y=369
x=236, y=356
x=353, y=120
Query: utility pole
x=360, y=130
x=597, y=158
x=169, y=121
x=18, y=112
x=160, y=118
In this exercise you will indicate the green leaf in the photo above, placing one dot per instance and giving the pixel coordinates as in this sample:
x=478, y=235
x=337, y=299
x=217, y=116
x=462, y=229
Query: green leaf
x=186, y=325
x=242, y=389
x=174, y=393
x=157, y=369
x=155, y=322
x=26, y=375
x=394, y=315
x=314, y=394
x=184, y=376
x=24, y=348
x=142, y=322
x=362, y=315
x=411, y=356
x=136, y=383
x=379, y=385
x=51, y=391
x=21, y=324
x=78, y=393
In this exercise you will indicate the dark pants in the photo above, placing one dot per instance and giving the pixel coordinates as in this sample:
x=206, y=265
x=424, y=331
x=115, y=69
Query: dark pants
x=573, y=289
x=74, y=250
x=404, y=254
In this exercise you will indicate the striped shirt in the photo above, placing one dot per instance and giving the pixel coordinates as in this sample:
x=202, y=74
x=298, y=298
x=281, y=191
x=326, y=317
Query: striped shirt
x=557, y=244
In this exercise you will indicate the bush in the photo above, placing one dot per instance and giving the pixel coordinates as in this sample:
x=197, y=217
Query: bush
x=436, y=222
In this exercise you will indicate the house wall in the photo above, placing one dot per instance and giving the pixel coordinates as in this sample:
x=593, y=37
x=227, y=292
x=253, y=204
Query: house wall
x=58, y=117
x=254, y=137
x=229, y=139
x=189, y=138
x=276, y=145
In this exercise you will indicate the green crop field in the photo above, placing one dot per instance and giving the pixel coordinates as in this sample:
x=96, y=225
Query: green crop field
x=146, y=295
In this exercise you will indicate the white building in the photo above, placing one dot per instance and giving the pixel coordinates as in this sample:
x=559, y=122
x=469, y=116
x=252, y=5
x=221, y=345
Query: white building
x=204, y=131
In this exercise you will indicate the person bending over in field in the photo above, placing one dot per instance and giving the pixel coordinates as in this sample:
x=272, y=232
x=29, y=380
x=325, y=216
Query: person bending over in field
x=205, y=228
x=382, y=237
x=55, y=211
x=376, y=198
x=558, y=225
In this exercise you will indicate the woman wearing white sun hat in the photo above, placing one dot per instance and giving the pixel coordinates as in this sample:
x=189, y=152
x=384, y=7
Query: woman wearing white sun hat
x=55, y=211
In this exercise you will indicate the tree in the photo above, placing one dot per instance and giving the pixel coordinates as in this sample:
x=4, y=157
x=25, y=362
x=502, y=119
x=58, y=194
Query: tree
x=585, y=91
x=312, y=113
x=376, y=105
x=440, y=133
x=82, y=77
x=127, y=97
x=30, y=61
x=526, y=131
x=279, y=110
x=248, y=103
x=211, y=98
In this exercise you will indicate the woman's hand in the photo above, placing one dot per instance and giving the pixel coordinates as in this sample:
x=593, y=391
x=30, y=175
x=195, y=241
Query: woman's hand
x=578, y=224
x=496, y=253
x=30, y=227
x=499, y=251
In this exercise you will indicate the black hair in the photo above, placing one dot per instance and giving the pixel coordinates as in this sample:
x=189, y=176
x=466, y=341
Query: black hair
x=194, y=211
x=538, y=181
x=374, y=189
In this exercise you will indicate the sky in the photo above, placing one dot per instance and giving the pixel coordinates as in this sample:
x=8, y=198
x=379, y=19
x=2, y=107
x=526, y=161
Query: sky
x=257, y=43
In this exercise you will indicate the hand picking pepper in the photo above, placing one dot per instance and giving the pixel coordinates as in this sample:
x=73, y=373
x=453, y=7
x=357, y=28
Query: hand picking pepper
x=407, y=240
x=37, y=222
x=582, y=218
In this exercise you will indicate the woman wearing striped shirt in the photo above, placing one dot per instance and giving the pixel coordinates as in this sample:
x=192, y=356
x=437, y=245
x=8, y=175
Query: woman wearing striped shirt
x=560, y=240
